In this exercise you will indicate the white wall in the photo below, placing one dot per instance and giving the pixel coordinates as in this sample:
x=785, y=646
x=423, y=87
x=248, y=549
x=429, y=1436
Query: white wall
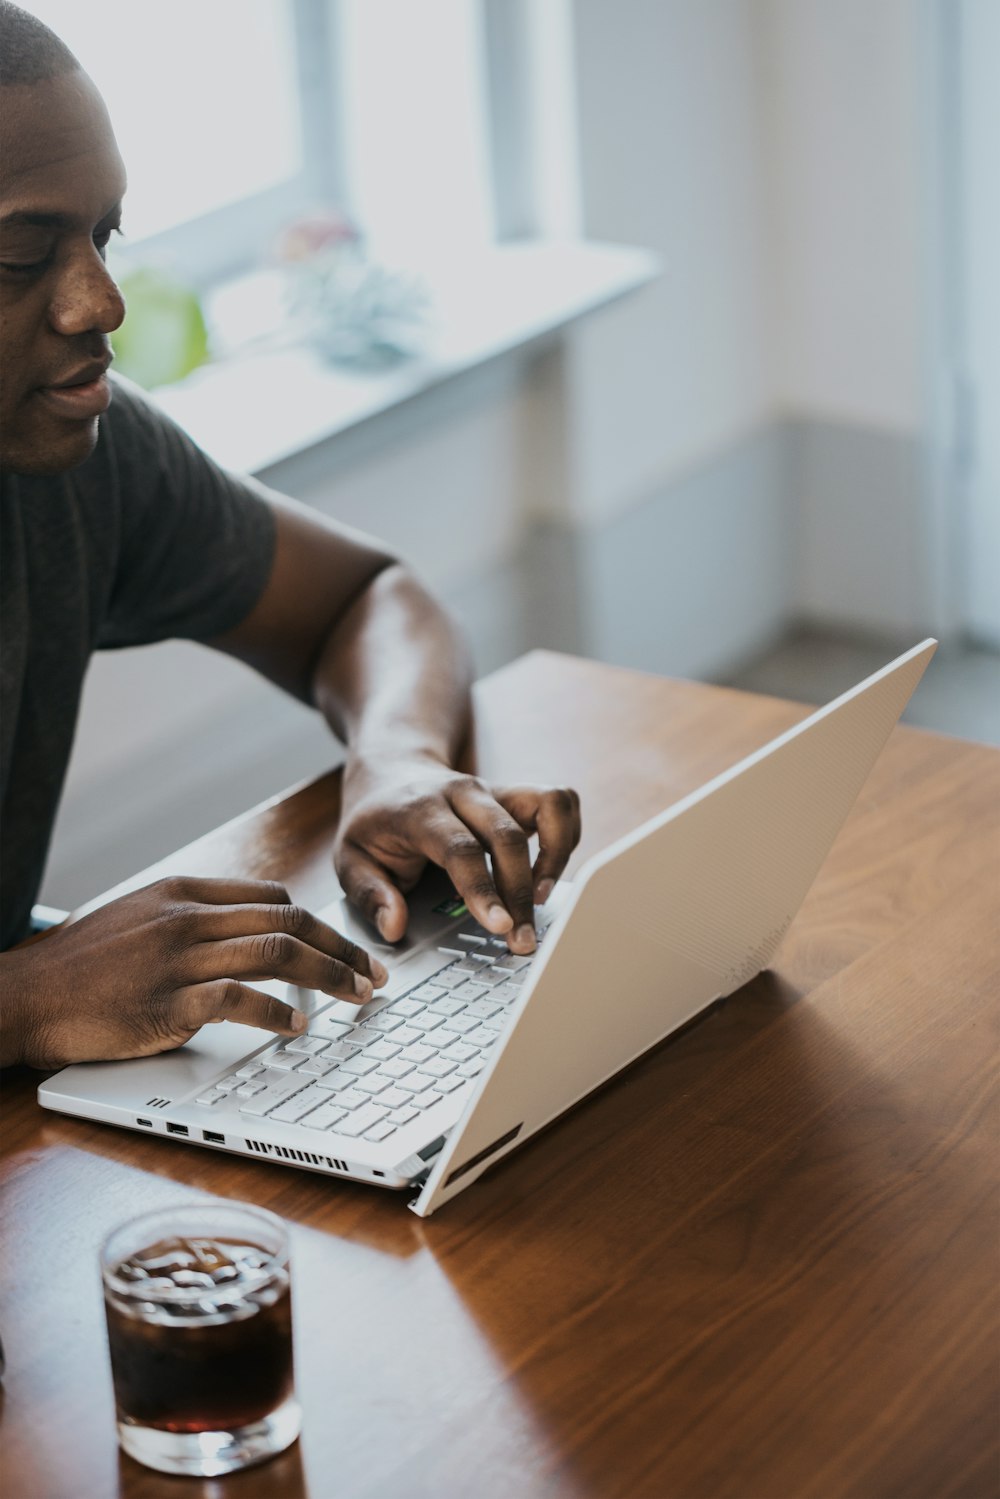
x=840, y=90
x=671, y=157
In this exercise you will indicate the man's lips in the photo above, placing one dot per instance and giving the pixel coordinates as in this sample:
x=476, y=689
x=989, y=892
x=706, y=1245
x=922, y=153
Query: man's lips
x=81, y=395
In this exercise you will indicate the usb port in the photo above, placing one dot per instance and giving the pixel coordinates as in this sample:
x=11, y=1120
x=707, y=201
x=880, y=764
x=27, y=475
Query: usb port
x=146, y=1123
x=177, y=1129
x=213, y=1138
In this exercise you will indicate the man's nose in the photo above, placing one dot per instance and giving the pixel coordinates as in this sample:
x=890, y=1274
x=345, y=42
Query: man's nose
x=86, y=299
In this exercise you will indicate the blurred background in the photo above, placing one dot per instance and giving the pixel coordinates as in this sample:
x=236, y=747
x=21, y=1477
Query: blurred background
x=662, y=331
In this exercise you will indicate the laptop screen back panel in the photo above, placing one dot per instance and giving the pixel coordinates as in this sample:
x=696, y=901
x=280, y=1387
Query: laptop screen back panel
x=677, y=914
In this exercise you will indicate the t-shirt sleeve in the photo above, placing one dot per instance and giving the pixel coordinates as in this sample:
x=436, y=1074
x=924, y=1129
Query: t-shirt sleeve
x=195, y=543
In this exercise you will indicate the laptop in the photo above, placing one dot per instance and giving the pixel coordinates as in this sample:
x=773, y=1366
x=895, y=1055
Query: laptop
x=470, y=1050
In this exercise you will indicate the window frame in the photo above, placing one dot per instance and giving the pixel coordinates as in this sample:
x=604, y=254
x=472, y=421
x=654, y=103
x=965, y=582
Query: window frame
x=227, y=241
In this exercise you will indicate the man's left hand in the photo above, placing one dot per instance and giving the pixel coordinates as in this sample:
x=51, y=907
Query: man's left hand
x=398, y=816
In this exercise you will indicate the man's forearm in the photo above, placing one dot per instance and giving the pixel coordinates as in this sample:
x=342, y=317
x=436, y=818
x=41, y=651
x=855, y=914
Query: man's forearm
x=393, y=676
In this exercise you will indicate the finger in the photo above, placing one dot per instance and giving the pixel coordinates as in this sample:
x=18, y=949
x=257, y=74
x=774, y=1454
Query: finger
x=558, y=824
x=507, y=842
x=554, y=813
x=223, y=892
x=372, y=889
x=251, y=920
x=276, y=955
x=448, y=839
x=227, y=999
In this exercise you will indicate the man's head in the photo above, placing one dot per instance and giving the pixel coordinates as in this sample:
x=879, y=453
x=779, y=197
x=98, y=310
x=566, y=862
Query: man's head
x=61, y=186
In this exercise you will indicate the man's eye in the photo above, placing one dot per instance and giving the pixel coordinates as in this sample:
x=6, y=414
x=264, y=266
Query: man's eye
x=24, y=267
x=103, y=238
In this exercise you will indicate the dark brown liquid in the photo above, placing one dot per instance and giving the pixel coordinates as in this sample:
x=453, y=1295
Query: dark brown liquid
x=189, y=1373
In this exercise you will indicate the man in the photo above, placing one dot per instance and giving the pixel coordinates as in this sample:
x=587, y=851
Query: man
x=117, y=531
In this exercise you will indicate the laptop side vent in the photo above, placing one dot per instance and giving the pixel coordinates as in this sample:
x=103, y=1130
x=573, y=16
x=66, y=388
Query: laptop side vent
x=157, y=1103
x=306, y=1157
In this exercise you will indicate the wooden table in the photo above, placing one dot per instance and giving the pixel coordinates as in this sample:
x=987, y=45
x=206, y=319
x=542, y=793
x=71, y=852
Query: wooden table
x=762, y=1264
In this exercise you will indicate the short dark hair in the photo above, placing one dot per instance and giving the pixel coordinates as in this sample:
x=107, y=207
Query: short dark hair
x=29, y=51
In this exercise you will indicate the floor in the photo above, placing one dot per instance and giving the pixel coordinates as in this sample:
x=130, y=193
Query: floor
x=960, y=693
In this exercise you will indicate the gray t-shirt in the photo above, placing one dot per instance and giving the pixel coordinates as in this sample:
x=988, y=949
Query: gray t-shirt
x=146, y=540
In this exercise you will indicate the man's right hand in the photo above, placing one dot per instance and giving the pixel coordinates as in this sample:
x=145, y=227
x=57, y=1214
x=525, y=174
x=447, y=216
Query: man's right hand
x=143, y=973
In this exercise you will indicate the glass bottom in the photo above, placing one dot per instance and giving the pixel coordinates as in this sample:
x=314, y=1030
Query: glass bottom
x=207, y=1454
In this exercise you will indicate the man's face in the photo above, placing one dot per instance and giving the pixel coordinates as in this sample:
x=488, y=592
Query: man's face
x=61, y=186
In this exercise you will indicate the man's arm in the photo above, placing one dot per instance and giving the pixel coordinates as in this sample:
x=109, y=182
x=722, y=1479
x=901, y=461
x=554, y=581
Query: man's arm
x=345, y=626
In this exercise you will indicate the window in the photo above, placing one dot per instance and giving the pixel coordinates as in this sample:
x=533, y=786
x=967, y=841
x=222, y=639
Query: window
x=236, y=116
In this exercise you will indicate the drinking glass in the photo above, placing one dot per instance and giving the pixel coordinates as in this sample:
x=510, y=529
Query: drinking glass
x=198, y=1301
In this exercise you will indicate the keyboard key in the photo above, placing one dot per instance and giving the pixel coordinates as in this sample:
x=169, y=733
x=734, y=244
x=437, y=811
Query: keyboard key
x=384, y=1021
x=408, y=1006
x=419, y=1052
x=397, y=1067
x=361, y=1120
x=492, y=977
x=472, y=939
x=228, y=1084
x=471, y=990
x=506, y=992
x=380, y=1131
x=449, y=1084
x=330, y=1026
x=447, y=1005
x=283, y=1061
x=279, y=1087
x=351, y=1098
x=251, y=1069
x=374, y=1084
x=359, y=1066
x=427, y=1022
x=394, y=1098
x=425, y=992
x=438, y=1067
x=471, y=1069
x=404, y=1115
x=382, y=1049
x=420, y=1082
x=335, y=1080
x=293, y=1109
x=426, y=1100
x=449, y=978
x=462, y=1024
x=484, y=1036
x=317, y=1066
x=327, y=1116
x=461, y=1051
x=406, y=1035
x=249, y=1089
x=483, y=1009
x=308, y=1044
x=511, y=963
x=212, y=1096
x=339, y=1050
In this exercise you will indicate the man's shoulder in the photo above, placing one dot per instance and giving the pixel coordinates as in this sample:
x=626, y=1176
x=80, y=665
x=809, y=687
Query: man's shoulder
x=133, y=419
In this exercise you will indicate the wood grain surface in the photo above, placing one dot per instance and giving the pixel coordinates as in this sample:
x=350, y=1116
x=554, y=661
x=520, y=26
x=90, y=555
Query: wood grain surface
x=762, y=1264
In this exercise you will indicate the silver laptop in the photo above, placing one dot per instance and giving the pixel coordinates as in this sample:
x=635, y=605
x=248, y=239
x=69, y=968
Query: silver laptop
x=469, y=1050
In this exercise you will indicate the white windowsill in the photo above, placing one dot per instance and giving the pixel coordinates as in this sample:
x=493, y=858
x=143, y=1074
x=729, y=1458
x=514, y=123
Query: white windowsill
x=255, y=410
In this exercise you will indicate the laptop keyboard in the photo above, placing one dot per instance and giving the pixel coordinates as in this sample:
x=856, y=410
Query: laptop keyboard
x=401, y=1056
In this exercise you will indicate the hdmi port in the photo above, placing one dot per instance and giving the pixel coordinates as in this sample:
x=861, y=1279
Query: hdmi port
x=177, y=1129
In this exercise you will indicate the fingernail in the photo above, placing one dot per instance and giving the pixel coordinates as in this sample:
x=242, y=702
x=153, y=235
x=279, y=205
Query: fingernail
x=381, y=921
x=498, y=920
x=362, y=986
x=380, y=975
x=298, y=1021
x=525, y=937
x=543, y=891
